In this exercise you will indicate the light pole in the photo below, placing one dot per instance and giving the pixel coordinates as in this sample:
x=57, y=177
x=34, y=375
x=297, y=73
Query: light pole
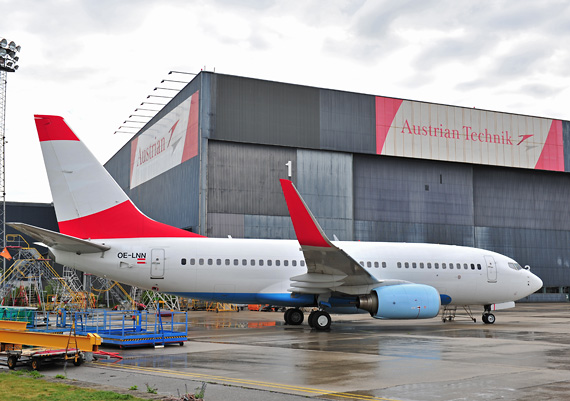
x=8, y=63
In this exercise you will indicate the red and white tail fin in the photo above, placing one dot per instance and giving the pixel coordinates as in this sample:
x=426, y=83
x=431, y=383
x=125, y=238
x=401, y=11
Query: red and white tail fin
x=88, y=202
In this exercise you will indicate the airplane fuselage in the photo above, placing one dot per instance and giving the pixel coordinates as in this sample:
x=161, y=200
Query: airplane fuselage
x=103, y=232
x=260, y=271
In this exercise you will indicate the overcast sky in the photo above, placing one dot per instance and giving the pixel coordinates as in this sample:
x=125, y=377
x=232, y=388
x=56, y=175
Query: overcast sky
x=94, y=61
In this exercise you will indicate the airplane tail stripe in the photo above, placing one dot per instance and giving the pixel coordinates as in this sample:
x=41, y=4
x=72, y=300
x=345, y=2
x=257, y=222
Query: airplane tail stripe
x=53, y=128
x=121, y=221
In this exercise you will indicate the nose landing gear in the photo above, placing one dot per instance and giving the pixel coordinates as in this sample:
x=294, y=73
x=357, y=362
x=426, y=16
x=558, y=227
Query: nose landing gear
x=488, y=317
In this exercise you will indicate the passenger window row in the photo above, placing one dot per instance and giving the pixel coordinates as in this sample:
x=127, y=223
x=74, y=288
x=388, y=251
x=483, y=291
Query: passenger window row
x=423, y=265
x=244, y=262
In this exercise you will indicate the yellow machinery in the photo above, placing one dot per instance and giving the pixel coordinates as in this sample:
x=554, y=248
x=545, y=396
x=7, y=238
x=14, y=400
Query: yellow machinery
x=14, y=338
x=221, y=307
x=199, y=305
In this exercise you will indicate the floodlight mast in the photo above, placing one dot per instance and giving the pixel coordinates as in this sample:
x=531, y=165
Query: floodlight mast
x=8, y=63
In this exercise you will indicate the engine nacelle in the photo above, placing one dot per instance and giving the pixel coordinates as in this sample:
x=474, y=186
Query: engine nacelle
x=402, y=301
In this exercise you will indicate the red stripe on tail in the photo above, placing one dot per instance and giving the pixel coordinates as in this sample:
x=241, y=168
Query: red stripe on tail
x=53, y=128
x=121, y=221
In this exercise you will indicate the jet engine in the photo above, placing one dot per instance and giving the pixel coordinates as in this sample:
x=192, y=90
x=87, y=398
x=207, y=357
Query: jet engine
x=402, y=301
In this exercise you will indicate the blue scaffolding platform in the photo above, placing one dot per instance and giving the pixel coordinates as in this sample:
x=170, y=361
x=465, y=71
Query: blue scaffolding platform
x=133, y=328
x=130, y=328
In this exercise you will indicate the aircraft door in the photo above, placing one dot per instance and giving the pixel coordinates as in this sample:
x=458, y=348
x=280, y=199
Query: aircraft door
x=491, y=269
x=157, y=263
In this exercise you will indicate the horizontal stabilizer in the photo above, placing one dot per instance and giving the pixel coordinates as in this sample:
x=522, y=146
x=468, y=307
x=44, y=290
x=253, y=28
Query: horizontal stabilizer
x=59, y=241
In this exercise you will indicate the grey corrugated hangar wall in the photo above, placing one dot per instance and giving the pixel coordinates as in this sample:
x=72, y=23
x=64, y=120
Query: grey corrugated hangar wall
x=249, y=130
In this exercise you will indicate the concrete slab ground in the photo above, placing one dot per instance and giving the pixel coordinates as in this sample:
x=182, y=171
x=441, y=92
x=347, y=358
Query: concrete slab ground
x=254, y=356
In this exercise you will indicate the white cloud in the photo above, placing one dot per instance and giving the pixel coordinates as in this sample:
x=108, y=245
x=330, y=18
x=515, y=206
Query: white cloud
x=93, y=62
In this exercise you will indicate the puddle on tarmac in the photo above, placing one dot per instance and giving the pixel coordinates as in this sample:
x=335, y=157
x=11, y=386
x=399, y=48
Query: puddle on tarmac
x=225, y=324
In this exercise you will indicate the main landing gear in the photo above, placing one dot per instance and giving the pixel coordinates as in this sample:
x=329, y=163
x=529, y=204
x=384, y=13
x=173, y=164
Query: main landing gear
x=318, y=319
x=294, y=316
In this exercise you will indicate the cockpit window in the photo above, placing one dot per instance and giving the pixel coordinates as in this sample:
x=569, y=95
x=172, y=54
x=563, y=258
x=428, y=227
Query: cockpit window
x=515, y=266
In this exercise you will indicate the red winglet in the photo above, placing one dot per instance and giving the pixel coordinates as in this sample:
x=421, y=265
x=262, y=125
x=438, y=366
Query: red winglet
x=308, y=231
x=53, y=128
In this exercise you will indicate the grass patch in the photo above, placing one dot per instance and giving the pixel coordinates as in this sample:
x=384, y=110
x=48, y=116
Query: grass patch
x=150, y=389
x=19, y=386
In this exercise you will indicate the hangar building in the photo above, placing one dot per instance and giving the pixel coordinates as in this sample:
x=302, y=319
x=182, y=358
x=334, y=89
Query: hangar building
x=370, y=168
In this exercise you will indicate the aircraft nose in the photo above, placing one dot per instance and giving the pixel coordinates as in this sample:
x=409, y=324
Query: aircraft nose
x=534, y=282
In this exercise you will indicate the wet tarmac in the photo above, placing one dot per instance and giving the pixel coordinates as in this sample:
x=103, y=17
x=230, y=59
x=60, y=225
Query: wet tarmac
x=254, y=356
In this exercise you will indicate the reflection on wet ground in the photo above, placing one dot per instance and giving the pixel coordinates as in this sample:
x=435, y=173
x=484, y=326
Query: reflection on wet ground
x=234, y=325
x=524, y=353
x=229, y=321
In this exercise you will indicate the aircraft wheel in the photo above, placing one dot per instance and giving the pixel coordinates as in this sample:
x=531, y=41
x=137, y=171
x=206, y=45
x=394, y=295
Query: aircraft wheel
x=310, y=319
x=286, y=316
x=489, y=318
x=296, y=317
x=12, y=360
x=322, y=320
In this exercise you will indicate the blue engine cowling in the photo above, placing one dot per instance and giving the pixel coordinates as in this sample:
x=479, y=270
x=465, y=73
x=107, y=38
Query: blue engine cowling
x=402, y=301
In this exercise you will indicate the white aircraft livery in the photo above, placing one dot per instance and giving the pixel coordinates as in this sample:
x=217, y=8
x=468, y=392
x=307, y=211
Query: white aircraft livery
x=102, y=232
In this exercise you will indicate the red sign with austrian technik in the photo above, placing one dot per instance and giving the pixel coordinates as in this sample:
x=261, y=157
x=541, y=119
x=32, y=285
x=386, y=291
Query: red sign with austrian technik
x=168, y=143
x=432, y=131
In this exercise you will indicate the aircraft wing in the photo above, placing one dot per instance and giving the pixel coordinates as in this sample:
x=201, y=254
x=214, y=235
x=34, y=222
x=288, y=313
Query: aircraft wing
x=328, y=266
x=59, y=241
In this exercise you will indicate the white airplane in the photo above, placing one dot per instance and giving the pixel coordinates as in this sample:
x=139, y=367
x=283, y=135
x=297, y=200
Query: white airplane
x=102, y=232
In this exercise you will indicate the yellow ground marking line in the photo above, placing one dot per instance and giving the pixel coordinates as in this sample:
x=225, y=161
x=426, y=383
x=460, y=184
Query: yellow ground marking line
x=250, y=382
